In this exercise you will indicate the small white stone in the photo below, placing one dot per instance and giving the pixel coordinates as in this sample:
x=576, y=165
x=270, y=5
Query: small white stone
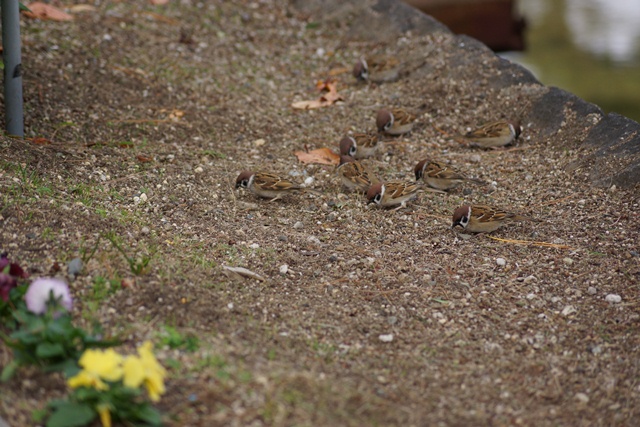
x=531, y=296
x=254, y=246
x=298, y=225
x=145, y=230
x=501, y=262
x=284, y=268
x=259, y=142
x=308, y=180
x=143, y=197
x=613, y=298
x=386, y=337
x=198, y=169
x=567, y=310
x=568, y=261
x=230, y=306
x=592, y=290
x=581, y=397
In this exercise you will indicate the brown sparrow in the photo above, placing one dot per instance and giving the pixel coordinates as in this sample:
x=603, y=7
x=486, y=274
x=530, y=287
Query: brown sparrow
x=394, y=121
x=354, y=175
x=392, y=193
x=360, y=145
x=483, y=218
x=497, y=134
x=440, y=176
x=376, y=69
x=267, y=185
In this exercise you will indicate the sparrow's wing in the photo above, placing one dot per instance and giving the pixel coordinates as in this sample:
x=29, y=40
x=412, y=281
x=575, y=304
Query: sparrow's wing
x=441, y=171
x=366, y=139
x=490, y=130
x=402, y=116
x=485, y=213
x=400, y=189
x=269, y=181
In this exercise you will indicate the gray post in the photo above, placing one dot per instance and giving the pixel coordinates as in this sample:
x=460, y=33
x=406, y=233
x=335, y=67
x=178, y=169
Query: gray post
x=12, y=67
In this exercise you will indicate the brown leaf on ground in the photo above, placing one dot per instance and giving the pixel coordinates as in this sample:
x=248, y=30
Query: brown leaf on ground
x=45, y=11
x=40, y=141
x=158, y=2
x=329, y=96
x=322, y=156
x=144, y=159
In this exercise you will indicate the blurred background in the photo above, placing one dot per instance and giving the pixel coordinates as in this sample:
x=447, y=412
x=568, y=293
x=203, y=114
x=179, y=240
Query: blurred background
x=587, y=47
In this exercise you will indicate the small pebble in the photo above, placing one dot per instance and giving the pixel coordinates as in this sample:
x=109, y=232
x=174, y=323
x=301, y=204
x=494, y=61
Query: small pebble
x=198, y=169
x=613, y=298
x=284, y=269
x=501, y=262
x=308, y=180
x=467, y=191
x=592, y=290
x=74, y=267
x=567, y=310
x=298, y=225
x=386, y=337
x=568, y=261
x=283, y=238
x=475, y=158
x=333, y=258
x=392, y=320
x=254, y=246
x=581, y=397
x=145, y=230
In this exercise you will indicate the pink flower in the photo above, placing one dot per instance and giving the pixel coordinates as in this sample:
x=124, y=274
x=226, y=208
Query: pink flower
x=41, y=290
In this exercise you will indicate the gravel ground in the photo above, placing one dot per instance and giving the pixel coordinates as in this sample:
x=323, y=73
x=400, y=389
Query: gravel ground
x=140, y=119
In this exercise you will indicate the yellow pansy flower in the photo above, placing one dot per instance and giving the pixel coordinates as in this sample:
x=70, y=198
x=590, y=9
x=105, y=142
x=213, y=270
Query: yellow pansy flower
x=98, y=365
x=105, y=415
x=145, y=368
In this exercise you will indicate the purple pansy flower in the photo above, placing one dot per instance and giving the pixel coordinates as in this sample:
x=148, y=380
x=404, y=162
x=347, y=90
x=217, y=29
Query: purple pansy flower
x=8, y=279
x=39, y=293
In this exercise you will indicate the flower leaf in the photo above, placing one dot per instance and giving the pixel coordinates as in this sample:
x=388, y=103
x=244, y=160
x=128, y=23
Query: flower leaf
x=71, y=414
x=9, y=370
x=46, y=350
x=150, y=415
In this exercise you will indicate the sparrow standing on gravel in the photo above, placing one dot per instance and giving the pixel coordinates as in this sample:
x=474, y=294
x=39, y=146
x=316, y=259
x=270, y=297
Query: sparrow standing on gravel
x=492, y=135
x=377, y=69
x=267, y=185
x=354, y=175
x=394, y=121
x=440, y=176
x=360, y=145
x=392, y=193
x=483, y=218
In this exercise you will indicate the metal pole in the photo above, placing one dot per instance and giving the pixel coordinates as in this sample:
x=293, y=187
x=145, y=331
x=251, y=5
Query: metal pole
x=14, y=119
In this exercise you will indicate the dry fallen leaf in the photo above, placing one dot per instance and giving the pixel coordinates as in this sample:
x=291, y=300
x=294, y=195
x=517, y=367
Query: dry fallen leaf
x=159, y=2
x=45, y=11
x=329, y=96
x=322, y=156
x=144, y=159
x=40, y=141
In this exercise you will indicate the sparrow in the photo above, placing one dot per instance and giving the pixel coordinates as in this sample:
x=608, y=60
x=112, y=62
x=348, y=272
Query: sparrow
x=497, y=134
x=394, y=121
x=267, y=185
x=354, y=175
x=483, y=218
x=440, y=176
x=360, y=145
x=377, y=69
x=392, y=193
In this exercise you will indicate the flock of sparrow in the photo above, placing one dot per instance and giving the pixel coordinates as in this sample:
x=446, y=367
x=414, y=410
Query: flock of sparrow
x=437, y=176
